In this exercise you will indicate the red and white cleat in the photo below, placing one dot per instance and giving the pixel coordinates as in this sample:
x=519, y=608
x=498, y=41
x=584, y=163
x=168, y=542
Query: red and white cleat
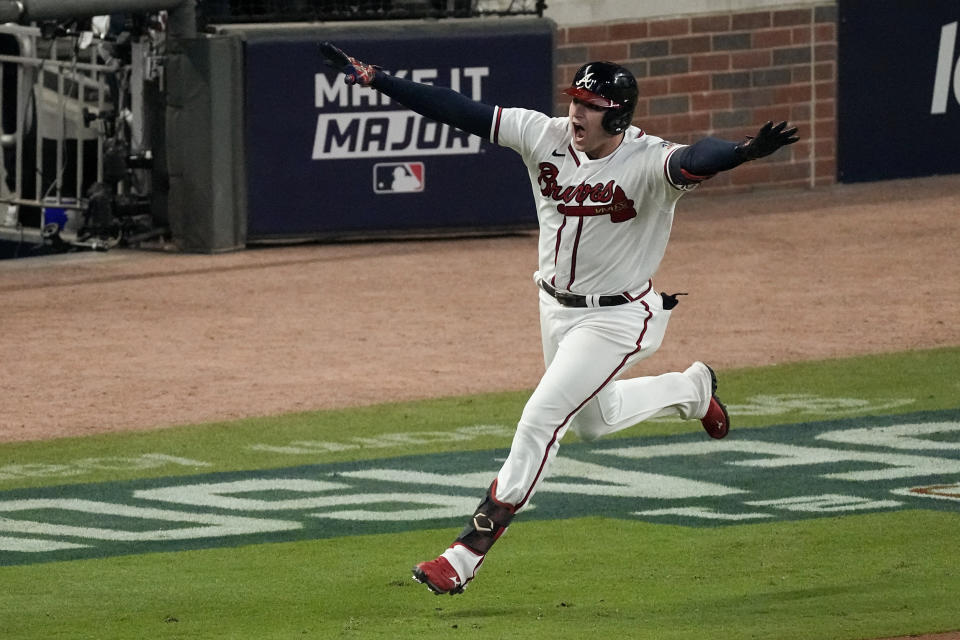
x=716, y=422
x=439, y=575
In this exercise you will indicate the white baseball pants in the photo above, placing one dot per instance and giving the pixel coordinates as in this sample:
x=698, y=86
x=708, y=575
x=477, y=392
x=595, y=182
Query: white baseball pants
x=585, y=350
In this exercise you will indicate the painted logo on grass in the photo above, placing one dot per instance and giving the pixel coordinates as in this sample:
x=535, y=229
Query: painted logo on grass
x=788, y=472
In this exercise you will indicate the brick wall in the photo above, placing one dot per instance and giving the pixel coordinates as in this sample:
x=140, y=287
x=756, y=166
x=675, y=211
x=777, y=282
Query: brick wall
x=724, y=75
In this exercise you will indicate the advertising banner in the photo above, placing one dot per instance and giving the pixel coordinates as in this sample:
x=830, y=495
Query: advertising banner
x=898, y=107
x=326, y=159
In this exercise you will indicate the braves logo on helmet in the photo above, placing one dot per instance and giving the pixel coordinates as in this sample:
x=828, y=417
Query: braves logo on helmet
x=586, y=81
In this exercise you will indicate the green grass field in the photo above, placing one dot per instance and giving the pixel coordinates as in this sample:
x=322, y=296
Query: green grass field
x=851, y=558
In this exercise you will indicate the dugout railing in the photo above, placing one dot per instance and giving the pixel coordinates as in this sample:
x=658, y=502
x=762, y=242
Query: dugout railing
x=276, y=11
x=74, y=149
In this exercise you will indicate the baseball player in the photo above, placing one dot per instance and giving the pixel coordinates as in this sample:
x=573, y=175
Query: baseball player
x=605, y=193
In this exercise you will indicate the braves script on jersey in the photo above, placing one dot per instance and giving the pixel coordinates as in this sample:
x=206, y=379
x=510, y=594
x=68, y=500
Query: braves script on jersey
x=604, y=224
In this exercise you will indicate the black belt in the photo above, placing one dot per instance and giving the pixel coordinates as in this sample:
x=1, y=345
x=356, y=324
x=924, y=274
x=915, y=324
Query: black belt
x=576, y=300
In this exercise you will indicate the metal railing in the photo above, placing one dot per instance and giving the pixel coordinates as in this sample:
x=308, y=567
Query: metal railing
x=66, y=141
x=264, y=11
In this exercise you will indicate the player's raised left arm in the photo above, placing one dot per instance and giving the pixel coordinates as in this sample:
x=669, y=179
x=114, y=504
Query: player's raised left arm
x=437, y=103
x=709, y=156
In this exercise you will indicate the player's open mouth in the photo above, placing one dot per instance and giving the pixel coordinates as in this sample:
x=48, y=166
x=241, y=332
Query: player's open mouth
x=578, y=131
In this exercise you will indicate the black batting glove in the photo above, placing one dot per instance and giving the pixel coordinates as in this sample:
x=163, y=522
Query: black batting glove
x=770, y=138
x=354, y=71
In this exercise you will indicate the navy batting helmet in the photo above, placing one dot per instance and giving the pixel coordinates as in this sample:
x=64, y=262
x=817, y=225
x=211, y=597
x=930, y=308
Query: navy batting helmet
x=607, y=85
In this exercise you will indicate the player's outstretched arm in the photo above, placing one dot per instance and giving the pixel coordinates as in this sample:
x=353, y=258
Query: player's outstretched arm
x=709, y=156
x=437, y=103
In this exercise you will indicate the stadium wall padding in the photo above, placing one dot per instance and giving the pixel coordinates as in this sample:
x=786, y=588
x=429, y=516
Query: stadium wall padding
x=326, y=160
x=204, y=144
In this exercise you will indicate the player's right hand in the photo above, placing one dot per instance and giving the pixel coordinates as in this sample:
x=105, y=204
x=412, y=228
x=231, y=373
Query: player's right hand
x=353, y=70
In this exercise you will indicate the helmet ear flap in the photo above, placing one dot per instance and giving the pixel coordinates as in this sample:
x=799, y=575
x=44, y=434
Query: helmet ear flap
x=616, y=121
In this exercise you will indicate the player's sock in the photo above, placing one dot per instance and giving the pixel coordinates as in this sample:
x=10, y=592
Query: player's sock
x=699, y=374
x=464, y=560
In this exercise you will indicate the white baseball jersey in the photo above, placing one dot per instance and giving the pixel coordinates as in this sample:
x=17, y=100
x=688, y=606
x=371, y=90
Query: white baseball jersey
x=604, y=223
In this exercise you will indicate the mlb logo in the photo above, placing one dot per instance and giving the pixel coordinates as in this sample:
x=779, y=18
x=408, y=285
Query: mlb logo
x=398, y=177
